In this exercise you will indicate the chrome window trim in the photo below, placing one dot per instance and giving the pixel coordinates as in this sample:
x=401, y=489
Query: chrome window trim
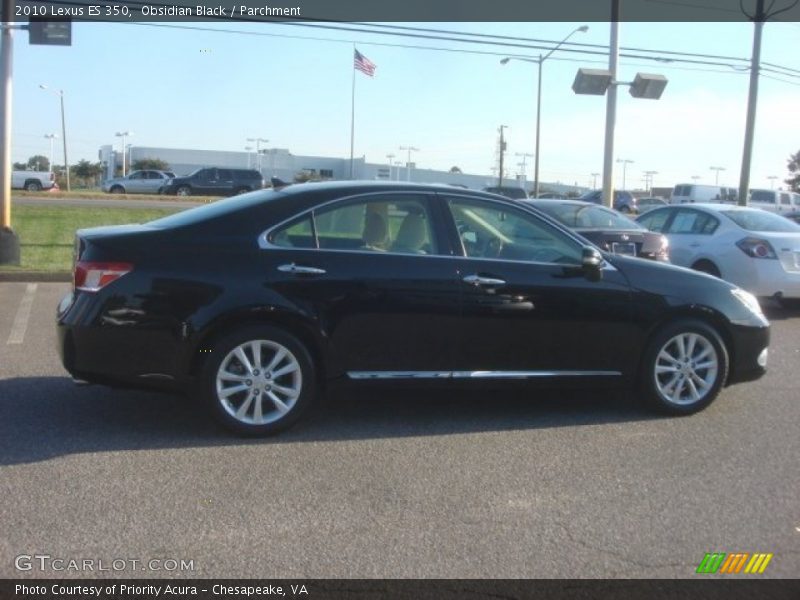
x=265, y=244
x=359, y=375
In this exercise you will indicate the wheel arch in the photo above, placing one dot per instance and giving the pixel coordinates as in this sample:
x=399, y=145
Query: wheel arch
x=704, y=314
x=296, y=325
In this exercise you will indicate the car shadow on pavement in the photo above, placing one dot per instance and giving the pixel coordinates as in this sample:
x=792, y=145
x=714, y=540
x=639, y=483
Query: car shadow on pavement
x=47, y=417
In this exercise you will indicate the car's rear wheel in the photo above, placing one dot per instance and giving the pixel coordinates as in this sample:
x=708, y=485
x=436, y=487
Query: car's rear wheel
x=790, y=303
x=684, y=367
x=706, y=266
x=259, y=380
x=184, y=190
x=117, y=189
x=625, y=209
x=33, y=186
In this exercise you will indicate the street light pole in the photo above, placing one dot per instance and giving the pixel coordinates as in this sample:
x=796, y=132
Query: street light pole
x=717, y=169
x=123, y=135
x=51, y=137
x=539, y=61
x=258, y=149
x=60, y=94
x=390, y=157
x=625, y=162
x=649, y=179
x=772, y=179
x=410, y=149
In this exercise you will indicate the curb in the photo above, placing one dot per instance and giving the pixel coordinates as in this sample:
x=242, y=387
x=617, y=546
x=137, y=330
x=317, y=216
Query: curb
x=44, y=276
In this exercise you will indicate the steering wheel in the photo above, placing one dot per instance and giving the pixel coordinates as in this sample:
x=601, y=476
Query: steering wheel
x=493, y=248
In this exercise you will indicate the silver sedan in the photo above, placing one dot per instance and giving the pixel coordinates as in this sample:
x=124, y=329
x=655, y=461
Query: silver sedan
x=147, y=181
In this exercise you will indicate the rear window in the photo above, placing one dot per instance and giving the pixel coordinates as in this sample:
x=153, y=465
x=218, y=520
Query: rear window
x=761, y=220
x=588, y=217
x=762, y=196
x=215, y=209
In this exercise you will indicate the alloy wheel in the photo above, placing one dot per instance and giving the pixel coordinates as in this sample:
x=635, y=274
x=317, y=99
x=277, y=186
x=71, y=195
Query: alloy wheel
x=686, y=369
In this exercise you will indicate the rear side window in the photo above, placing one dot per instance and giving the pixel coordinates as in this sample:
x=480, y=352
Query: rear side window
x=399, y=224
x=693, y=222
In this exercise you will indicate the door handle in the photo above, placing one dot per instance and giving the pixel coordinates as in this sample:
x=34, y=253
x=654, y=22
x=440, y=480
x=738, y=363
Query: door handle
x=694, y=245
x=293, y=268
x=477, y=280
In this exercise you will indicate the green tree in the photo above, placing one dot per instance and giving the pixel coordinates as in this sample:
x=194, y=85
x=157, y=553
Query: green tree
x=455, y=170
x=39, y=163
x=86, y=173
x=150, y=163
x=794, y=168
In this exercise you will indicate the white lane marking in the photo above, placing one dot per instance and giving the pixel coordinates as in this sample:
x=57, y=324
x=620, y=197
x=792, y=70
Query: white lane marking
x=17, y=335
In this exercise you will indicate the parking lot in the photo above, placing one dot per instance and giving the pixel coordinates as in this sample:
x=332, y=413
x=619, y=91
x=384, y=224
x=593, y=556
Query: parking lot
x=455, y=483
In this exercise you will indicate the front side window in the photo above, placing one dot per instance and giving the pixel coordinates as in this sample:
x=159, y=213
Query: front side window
x=490, y=230
x=655, y=220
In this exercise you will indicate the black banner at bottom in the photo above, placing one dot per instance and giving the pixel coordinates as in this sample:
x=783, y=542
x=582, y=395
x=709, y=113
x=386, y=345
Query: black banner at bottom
x=423, y=589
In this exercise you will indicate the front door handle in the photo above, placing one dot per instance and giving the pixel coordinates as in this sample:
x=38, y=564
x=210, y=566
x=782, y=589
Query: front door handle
x=477, y=280
x=293, y=268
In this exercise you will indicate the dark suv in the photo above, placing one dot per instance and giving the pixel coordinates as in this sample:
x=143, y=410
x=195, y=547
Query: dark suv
x=624, y=201
x=212, y=181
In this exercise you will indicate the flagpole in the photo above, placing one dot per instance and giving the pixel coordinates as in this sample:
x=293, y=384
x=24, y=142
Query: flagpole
x=352, y=111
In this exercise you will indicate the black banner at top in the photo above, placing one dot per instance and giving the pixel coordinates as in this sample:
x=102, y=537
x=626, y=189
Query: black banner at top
x=400, y=10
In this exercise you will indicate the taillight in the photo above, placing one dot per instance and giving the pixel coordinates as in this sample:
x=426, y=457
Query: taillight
x=756, y=248
x=94, y=276
x=663, y=249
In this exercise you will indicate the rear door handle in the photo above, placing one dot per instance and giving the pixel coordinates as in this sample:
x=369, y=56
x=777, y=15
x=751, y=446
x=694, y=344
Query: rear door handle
x=477, y=280
x=293, y=268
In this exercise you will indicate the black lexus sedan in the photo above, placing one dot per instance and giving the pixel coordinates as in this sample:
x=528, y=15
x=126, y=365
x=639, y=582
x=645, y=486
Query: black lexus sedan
x=253, y=303
x=606, y=228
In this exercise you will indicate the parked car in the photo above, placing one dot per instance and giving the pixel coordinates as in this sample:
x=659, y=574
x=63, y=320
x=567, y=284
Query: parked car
x=147, y=181
x=606, y=228
x=752, y=248
x=771, y=200
x=32, y=181
x=624, y=201
x=650, y=203
x=793, y=216
x=689, y=193
x=515, y=193
x=251, y=304
x=211, y=181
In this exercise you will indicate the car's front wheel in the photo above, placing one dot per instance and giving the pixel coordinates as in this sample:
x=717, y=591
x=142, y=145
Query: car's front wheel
x=117, y=189
x=259, y=380
x=684, y=367
x=184, y=190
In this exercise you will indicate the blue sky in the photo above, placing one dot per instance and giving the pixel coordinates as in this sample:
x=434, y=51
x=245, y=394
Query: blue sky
x=184, y=88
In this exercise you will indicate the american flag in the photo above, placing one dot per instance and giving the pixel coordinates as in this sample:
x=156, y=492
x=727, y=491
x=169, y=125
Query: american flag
x=363, y=64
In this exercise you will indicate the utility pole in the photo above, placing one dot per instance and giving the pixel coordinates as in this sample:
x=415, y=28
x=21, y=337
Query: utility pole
x=611, y=109
x=9, y=242
x=502, y=152
x=594, y=180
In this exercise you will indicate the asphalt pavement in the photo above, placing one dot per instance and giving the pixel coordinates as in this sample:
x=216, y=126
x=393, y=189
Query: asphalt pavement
x=390, y=483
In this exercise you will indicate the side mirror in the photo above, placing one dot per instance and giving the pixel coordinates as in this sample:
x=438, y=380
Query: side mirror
x=592, y=261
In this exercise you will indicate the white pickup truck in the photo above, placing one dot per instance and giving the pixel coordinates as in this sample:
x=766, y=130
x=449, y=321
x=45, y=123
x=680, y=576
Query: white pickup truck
x=32, y=181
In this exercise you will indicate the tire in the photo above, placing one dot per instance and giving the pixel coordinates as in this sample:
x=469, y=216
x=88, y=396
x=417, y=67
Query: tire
x=706, y=266
x=33, y=186
x=625, y=209
x=117, y=189
x=684, y=368
x=789, y=303
x=281, y=400
x=184, y=190
x=241, y=190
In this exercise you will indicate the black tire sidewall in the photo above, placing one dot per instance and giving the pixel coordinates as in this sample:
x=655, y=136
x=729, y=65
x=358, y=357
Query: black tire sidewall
x=206, y=385
x=33, y=187
x=647, y=384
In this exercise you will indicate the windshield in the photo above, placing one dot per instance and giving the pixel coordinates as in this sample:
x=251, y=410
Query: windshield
x=761, y=220
x=579, y=216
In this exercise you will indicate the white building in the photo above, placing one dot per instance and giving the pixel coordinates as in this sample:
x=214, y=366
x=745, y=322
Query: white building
x=280, y=163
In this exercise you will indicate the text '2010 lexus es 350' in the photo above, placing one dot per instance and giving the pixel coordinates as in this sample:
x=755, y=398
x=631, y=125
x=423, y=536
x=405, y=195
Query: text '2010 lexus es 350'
x=253, y=303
